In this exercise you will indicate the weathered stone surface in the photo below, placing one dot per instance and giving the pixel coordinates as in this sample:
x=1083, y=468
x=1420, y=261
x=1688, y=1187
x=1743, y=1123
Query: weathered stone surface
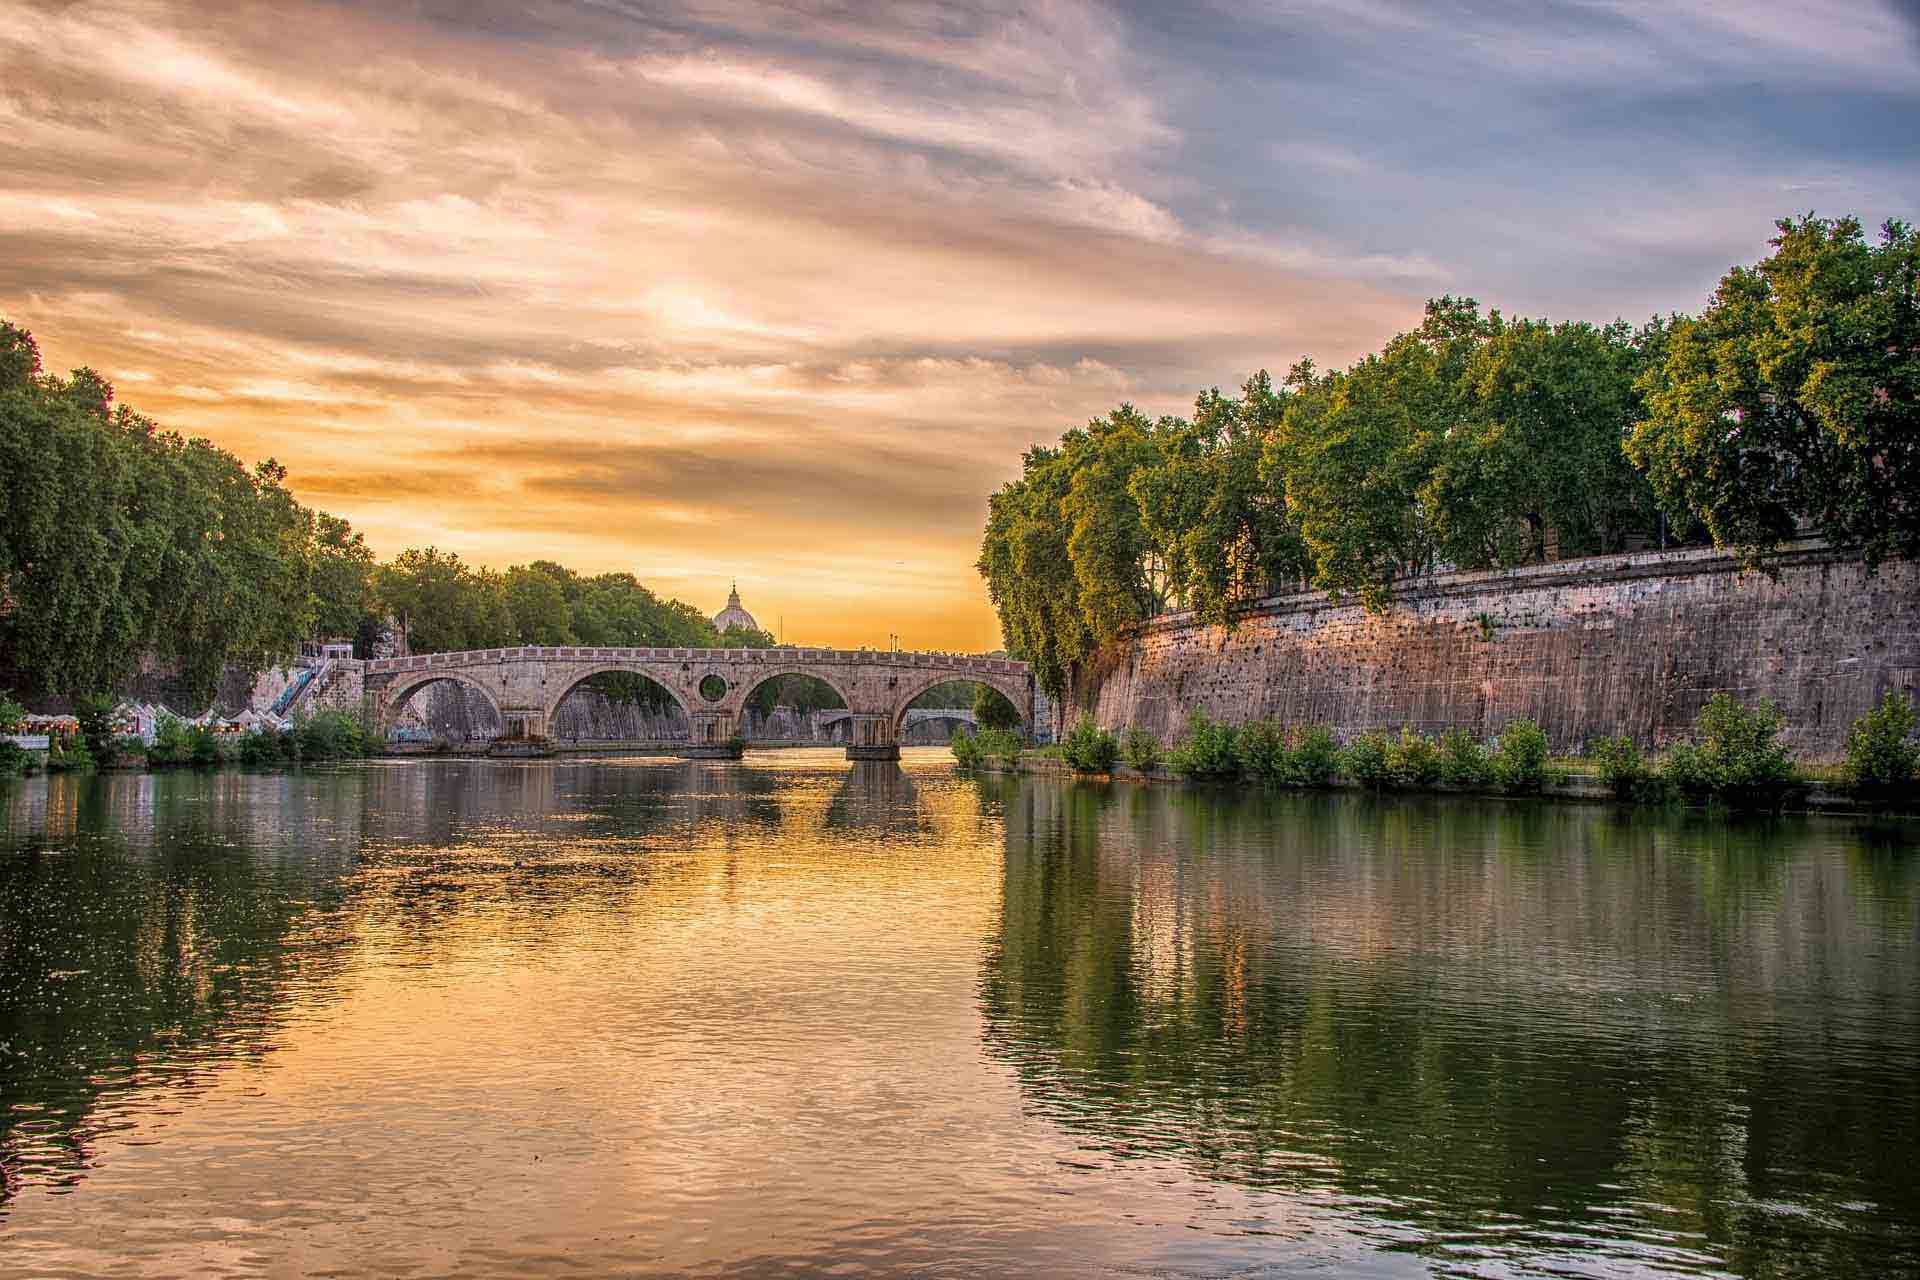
x=1631, y=644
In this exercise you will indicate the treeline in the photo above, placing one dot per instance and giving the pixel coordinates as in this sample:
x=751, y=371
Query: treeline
x=1477, y=441
x=122, y=542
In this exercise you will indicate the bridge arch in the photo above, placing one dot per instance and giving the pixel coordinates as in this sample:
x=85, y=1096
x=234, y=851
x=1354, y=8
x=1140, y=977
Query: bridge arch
x=736, y=699
x=661, y=678
x=1012, y=687
x=403, y=690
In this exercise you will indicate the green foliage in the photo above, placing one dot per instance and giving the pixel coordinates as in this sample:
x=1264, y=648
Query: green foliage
x=331, y=735
x=1140, y=749
x=95, y=715
x=1223, y=537
x=1622, y=768
x=263, y=747
x=1260, y=746
x=1464, y=761
x=1520, y=762
x=802, y=693
x=1003, y=745
x=1882, y=754
x=966, y=748
x=712, y=687
x=1413, y=760
x=992, y=710
x=14, y=759
x=11, y=714
x=1316, y=757
x=69, y=756
x=1089, y=748
x=1735, y=756
x=1207, y=750
x=1796, y=394
x=176, y=743
x=1365, y=759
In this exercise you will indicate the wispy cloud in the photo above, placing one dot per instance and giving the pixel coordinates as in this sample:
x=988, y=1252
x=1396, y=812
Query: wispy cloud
x=720, y=287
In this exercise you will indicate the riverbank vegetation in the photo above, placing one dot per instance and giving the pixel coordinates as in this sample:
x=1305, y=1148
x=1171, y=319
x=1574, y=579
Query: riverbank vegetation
x=1479, y=441
x=125, y=544
x=1733, y=758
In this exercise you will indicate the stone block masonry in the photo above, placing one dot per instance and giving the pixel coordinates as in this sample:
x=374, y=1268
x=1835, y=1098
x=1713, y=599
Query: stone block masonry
x=1629, y=644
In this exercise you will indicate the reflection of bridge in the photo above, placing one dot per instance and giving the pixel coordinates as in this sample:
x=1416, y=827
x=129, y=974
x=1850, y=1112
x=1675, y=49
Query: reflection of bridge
x=526, y=685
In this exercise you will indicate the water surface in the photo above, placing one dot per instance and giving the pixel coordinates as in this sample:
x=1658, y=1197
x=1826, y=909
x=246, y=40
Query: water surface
x=792, y=1015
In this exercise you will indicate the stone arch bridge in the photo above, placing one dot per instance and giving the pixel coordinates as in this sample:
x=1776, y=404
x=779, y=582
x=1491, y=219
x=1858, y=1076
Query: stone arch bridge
x=526, y=685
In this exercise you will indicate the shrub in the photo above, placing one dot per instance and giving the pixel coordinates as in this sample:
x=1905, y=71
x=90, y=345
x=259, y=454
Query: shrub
x=266, y=747
x=1882, y=756
x=1735, y=755
x=1365, y=759
x=1413, y=760
x=11, y=714
x=1140, y=749
x=966, y=749
x=69, y=755
x=14, y=759
x=330, y=735
x=1622, y=768
x=1089, y=748
x=1463, y=760
x=172, y=743
x=1207, y=750
x=1261, y=749
x=1520, y=762
x=1315, y=760
x=999, y=744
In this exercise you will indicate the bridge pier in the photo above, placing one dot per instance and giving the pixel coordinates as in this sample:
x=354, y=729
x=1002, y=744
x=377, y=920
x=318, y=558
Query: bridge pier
x=714, y=737
x=873, y=739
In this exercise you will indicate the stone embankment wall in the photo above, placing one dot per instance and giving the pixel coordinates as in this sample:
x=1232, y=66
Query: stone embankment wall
x=1631, y=644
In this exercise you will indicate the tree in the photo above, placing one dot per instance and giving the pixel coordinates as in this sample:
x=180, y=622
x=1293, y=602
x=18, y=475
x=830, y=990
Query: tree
x=1532, y=465
x=423, y=588
x=992, y=710
x=1793, y=396
x=537, y=599
x=1030, y=576
x=342, y=577
x=1227, y=537
x=1114, y=559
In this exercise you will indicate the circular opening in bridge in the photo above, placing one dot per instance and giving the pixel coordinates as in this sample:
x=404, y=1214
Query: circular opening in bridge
x=712, y=688
x=619, y=707
x=444, y=714
x=795, y=709
x=955, y=706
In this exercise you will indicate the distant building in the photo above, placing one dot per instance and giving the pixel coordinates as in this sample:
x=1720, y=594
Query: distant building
x=733, y=615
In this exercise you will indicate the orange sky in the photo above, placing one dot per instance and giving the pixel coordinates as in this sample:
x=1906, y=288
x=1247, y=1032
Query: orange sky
x=711, y=290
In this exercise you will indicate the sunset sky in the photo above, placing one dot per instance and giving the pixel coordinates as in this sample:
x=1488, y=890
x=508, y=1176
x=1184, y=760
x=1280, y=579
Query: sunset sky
x=780, y=293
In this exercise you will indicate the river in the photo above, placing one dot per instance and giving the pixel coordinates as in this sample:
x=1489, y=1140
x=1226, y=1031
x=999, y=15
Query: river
x=792, y=1016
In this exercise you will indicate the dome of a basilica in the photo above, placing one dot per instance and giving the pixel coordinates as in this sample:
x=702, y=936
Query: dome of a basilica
x=733, y=615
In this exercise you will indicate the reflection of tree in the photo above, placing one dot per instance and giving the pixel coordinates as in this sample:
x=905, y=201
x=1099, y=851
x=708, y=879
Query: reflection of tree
x=1482, y=1022
x=148, y=912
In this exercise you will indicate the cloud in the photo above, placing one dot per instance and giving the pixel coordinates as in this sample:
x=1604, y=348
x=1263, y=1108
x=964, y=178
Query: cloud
x=720, y=287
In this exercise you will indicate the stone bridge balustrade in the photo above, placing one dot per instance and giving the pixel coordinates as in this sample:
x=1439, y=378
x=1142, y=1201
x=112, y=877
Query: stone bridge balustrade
x=526, y=684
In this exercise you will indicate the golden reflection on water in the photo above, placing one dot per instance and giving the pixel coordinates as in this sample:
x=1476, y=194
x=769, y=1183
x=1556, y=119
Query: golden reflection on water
x=667, y=1017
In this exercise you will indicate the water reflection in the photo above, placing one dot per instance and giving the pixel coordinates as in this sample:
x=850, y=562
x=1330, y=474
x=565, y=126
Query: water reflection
x=1533, y=1034
x=785, y=1015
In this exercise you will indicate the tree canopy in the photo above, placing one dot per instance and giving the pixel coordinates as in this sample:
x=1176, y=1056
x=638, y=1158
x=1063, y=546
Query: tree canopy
x=122, y=543
x=1476, y=441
